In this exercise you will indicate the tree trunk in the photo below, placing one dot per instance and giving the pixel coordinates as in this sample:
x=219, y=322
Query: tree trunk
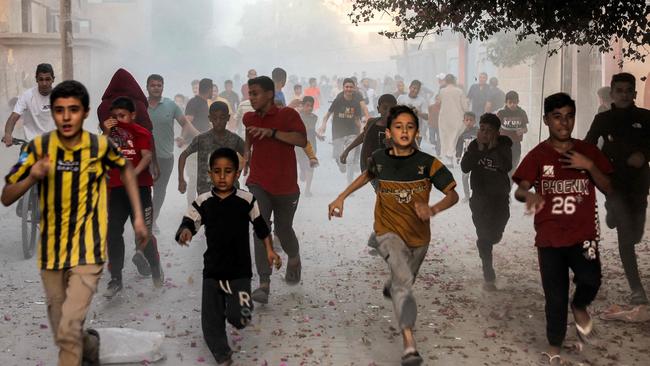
x=65, y=18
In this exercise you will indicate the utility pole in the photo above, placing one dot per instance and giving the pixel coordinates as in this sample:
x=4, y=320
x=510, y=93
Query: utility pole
x=65, y=26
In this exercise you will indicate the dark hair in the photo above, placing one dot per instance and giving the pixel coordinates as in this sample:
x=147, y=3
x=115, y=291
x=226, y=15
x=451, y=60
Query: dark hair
x=155, y=77
x=45, y=69
x=490, y=119
x=71, y=89
x=227, y=82
x=308, y=99
x=387, y=98
x=179, y=95
x=470, y=114
x=264, y=82
x=493, y=81
x=623, y=77
x=123, y=103
x=225, y=152
x=399, y=109
x=195, y=82
x=205, y=85
x=349, y=80
x=297, y=86
x=416, y=82
x=605, y=93
x=219, y=106
x=450, y=79
x=558, y=100
x=278, y=74
x=512, y=95
x=312, y=79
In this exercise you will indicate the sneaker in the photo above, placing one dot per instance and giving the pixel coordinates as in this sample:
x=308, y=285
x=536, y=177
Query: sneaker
x=90, y=348
x=141, y=264
x=158, y=276
x=114, y=286
x=294, y=268
x=261, y=294
x=638, y=297
x=224, y=360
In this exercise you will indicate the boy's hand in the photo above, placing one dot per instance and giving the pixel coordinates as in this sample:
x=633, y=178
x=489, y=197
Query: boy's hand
x=154, y=169
x=185, y=237
x=182, y=185
x=423, y=211
x=313, y=163
x=8, y=140
x=180, y=142
x=534, y=203
x=575, y=160
x=109, y=123
x=274, y=259
x=40, y=169
x=335, y=209
x=343, y=158
x=636, y=160
x=259, y=132
x=141, y=234
x=320, y=133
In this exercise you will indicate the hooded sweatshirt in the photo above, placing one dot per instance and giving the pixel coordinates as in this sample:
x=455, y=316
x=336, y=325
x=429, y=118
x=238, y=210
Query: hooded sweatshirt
x=489, y=168
x=123, y=84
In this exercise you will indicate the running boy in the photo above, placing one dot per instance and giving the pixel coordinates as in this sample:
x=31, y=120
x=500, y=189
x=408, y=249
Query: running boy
x=69, y=165
x=135, y=143
x=308, y=161
x=204, y=144
x=465, y=138
x=488, y=159
x=514, y=122
x=225, y=212
x=565, y=173
x=402, y=213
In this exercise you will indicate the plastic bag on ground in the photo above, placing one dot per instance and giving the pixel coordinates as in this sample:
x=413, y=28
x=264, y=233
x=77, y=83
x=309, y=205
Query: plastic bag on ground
x=125, y=345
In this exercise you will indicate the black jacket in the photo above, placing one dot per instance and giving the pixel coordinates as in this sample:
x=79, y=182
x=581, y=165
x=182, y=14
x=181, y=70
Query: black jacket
x=489, y=168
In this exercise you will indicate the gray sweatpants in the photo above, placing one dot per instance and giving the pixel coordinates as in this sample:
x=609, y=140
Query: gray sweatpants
x=404, y=263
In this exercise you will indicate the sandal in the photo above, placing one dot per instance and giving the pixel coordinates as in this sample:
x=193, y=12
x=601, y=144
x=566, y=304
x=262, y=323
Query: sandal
x=412, y=358
x=586, y=333
x=294, y=267
x=551, y=360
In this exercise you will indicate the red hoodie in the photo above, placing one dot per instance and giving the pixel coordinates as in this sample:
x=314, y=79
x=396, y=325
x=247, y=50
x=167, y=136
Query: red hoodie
x=123, y=84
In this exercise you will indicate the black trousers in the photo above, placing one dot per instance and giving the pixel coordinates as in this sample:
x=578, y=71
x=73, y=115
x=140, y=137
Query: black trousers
x=160, y=185
x=490, y=215
x=224, y=300
x=119, y=210
x=628, y=213
x=554, y=264
x=434, y=139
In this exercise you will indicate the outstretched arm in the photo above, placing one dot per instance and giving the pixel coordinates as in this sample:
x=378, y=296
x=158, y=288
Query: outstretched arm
x=336, y=207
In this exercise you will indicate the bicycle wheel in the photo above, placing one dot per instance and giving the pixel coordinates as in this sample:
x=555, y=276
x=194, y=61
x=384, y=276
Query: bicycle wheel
x=30, y=223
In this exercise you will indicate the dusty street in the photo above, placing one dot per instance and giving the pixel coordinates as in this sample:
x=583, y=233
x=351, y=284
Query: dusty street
x=337, y=315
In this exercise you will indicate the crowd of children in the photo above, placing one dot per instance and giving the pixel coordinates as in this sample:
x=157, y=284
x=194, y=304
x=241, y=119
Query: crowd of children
x=89, y=185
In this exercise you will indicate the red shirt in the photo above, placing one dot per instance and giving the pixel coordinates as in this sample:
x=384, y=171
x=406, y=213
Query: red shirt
x=131, y=139
x=273, y=162
x=570, y=213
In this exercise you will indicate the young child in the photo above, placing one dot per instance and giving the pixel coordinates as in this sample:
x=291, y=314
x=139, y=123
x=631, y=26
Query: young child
x=402, y=213
x=204, y=144
x=514, y=122
x=305, y=162
x=465, y=138
x=135, y=144
x=564, y=172
x=69, y=166
x=373, y=135
x=488, y=159
x=225, y=212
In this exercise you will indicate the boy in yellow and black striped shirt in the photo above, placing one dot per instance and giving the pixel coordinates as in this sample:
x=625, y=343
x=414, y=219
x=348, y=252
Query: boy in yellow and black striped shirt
x=69, y=165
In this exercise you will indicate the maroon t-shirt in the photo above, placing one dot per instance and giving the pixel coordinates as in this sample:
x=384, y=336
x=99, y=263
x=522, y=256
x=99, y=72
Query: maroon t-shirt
x=131, y=139
x=273, y=162
x=570, y=213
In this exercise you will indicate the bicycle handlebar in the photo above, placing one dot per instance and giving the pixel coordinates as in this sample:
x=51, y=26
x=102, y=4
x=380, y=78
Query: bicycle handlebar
x=15, y=141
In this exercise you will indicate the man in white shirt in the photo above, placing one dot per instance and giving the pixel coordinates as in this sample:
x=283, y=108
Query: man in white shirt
x=34, y=107
x=419, y=102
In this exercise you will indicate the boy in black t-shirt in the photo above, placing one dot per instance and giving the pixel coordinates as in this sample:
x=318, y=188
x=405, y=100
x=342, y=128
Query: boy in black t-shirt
x=489, y=160
x=225, y=212
x=514, y=122
x=465, y=138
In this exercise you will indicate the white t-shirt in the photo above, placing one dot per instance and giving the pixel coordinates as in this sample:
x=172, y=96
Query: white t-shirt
x=34, y=108
x=420, y=103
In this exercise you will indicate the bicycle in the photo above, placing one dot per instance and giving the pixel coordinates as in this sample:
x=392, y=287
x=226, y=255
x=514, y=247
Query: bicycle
x=29, y=213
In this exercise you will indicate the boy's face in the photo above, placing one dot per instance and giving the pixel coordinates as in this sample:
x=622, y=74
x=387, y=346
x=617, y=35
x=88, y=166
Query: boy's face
x=219, y=120
x=297, y=91
x=223, y=174
x=179, y=101
x=44, y=81
x=487, y=134
x=122, y=115
x=512, y=104
x=69, y=115
x=560, y=122
x=348, y=89
x=414, y=90
x=259, y=97
x=469, y=121
x=155, y=88
x=228, y=87
x=402, y=130
x=195, y=89
x=384, y=108
x=400, y=86
x=307, y=107
x=623, y=94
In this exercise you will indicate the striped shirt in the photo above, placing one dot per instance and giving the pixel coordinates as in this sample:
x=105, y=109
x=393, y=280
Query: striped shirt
x=72, y=198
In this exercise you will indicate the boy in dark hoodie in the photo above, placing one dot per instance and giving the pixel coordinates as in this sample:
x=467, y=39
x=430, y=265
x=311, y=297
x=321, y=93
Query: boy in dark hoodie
x=489, y=159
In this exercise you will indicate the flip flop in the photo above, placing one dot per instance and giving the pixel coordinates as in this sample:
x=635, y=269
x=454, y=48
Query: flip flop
x=586, y=333
x=551, y=360
x=412, y=359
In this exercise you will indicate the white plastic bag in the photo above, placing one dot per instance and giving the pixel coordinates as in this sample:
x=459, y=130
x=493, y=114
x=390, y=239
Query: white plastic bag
x=125, y=345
